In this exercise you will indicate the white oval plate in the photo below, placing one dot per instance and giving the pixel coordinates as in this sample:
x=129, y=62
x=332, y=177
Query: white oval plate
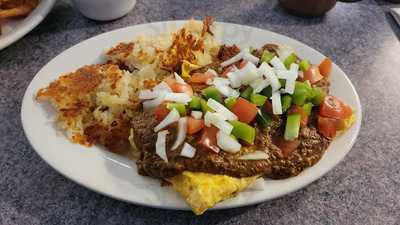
x=116, y=176
x=15, y=29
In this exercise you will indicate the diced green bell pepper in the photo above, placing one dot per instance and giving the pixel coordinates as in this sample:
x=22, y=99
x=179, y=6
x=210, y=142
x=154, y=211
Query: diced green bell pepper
x=318, y=95
x=204, y=107
x=195, y=103
x=307, y=108
x=229, y=102
x=263, y=118
x=282, y=82
x=212, y=92
x=258, y=99
x=267, y=91
x=243, y=131
x=247, y=93
x=302, y=93
x=304, y=65
x=178, y=106
x=286, y=102
x=266, y=56
x=289, y=60
x=292, y=127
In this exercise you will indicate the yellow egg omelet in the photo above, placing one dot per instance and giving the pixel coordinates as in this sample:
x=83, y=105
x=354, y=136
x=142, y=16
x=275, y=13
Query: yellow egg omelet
x=202, y=191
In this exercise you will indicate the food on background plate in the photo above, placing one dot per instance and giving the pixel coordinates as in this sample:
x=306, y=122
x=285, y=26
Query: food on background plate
x=10, y=9
x=207, y=118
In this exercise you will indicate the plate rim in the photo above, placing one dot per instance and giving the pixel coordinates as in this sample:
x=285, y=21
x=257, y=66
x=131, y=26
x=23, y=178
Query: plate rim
x=28, y=23
x=312, y=179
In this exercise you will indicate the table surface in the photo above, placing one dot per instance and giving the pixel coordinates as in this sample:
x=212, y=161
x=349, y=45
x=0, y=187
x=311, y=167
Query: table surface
x=362, y=39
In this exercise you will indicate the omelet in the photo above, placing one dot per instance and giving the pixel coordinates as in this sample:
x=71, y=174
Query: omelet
x=202, y=191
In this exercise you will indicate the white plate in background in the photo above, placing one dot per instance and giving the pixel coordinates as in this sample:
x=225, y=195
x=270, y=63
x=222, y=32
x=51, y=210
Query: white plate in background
x=14, y=29
x=116, y=176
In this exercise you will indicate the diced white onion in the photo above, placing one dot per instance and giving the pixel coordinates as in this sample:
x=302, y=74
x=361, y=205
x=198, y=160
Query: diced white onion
x=182, y=129
x=162, y=87
x=213, y=72
x=251, y=58
x=218, y=81
x=172, y=117
x=259, y=84
x=188, y=151
x=277, y=63
x=234, y=79
x=276, y=103
x=227, y=91
x=289, y=86
x=221, y=109
x=178, y=97
x=150, y=104
x=257, y=185
x=148, y=94
x=234, y=59
x=161, y=145
x=227, y=143
x=294, y=69
x=257, y=155
x=248, y=73
x=218, y=121
x=269, y=74
x=284, y=74
x=179, y=79
x=197, y=114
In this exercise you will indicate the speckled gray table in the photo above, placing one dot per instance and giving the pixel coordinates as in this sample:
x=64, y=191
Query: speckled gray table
x=363, y=189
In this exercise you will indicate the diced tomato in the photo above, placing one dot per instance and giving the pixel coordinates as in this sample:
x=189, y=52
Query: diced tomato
x=161, y=111
x=244, y=110
x=298, y=109
x=333, y=107
x=170, y=81
x=209, y=138
x=287, y=147
x=194, y=125
x=325, y=67
x=268, y=107
x=242, y=64
x=227, y=70
x=312, y=74
x=327, y=126
x=201, y=78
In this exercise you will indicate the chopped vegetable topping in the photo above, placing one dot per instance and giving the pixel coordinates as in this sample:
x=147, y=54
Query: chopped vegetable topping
x=325, y=67
x=195, y=103
x=227, y=143
x=267, y=56
x=333, y=107
x=292, y=127
x=257, y=99
x=221, y=109
x=244, y=110
x=182, y=129
x=276, y=103
x=229, y=102
x=304, y=65
x=172, y=117
x=194, y=125
x=263, y=118
x=161, y=145
x=289, y=60
x=197, y=114
x=247, y=93
x=212, y=92
x=188, y=151
x=243, y=131
x=286, y=102
x=178, y=106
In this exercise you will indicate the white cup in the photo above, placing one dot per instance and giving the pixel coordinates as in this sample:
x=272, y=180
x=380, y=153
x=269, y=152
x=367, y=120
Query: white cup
x=104, y=9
